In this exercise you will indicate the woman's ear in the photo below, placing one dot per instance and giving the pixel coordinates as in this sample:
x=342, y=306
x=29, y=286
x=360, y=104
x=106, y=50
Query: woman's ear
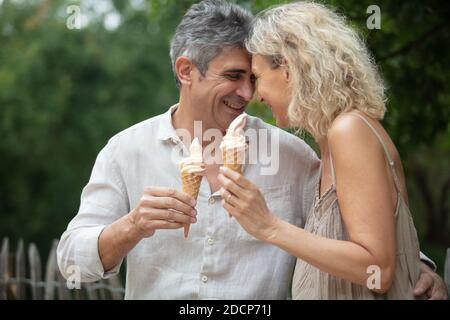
x=286, y=70
x=184, y=67
x=286, y=74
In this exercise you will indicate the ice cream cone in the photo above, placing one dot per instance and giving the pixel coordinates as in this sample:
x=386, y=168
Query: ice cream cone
x=192, y=170
x=190, y=185
x=233, y=144
x=233, y=159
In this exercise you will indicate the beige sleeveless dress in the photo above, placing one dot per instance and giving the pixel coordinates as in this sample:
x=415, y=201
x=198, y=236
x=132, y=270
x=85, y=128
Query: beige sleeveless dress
x=325, y=220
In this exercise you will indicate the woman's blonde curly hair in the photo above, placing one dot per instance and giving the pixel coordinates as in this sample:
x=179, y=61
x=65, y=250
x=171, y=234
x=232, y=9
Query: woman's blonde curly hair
x=330, y=68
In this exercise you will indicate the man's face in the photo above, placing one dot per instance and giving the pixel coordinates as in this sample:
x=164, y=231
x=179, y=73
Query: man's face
x=225, y=90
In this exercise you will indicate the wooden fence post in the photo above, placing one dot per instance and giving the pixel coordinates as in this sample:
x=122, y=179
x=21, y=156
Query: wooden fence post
x=50, y=276
x=20, y=272
x=63, y=292
x=4, y=269
x=35, y=272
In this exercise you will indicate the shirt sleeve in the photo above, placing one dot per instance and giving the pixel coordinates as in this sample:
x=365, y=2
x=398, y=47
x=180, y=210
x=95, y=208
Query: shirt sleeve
x=428, y=261
x=103, y=201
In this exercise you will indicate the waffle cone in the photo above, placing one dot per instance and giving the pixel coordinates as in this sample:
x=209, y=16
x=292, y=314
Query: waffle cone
x=190, y=185
x=233, y=159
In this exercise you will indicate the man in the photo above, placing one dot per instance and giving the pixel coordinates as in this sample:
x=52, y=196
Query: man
x=132, y=205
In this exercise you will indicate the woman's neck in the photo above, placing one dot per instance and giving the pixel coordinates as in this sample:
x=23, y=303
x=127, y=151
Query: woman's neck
x=324, y=149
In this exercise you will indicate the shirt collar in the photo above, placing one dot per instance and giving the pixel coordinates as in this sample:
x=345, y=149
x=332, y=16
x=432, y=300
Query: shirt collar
x=166, y=130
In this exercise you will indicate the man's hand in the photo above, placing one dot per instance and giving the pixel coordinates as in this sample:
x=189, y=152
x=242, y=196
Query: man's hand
x=158, y=208
x=162, y=208
x=430, y=284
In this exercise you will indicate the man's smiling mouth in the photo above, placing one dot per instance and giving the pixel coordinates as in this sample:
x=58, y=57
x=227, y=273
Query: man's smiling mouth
x=234, y=106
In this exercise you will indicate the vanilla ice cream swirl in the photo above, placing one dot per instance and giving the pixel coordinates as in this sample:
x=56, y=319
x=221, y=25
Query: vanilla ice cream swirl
x=193, y=163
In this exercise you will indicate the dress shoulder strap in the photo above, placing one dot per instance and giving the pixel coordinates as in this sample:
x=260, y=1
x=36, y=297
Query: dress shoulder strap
x=333, y=174
x=388, y=157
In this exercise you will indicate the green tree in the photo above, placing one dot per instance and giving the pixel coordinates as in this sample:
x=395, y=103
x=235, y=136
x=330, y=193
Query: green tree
x=64, y=92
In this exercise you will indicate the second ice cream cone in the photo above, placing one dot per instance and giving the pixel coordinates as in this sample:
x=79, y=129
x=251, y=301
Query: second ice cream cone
x=233, y=159
x=233, y=144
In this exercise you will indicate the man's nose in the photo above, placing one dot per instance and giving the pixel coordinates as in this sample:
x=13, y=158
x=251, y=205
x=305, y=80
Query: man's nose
x=246, y=90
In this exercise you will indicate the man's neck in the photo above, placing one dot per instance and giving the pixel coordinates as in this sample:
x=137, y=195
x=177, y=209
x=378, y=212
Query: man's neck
x=184, y=118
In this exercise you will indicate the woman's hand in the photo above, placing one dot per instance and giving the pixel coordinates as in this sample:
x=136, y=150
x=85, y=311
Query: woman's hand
x=244, y=201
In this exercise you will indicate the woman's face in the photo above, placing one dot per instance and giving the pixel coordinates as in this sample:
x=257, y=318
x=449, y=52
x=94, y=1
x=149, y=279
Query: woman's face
x=272, y=88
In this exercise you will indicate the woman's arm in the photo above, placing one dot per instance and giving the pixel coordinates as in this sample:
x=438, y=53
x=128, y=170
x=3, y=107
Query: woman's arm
x=364, y=189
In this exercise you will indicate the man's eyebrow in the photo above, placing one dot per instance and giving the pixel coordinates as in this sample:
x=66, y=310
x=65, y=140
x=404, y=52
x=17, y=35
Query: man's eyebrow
x=235, y=71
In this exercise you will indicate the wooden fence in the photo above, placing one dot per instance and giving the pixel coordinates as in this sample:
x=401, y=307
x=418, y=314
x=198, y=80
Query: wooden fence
x=16, y=283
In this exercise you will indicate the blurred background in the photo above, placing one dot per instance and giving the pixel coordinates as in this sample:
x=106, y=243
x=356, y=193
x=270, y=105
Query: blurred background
x=74, y=73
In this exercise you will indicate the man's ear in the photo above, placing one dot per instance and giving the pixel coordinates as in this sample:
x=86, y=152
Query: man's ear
x=184, y=67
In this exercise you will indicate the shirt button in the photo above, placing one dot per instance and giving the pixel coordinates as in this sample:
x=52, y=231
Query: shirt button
x=204, y=278
x=211, y=200
x=210, y=241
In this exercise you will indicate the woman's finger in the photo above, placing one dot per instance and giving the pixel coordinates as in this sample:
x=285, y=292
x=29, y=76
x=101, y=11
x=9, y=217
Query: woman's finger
x=237, y=178
x=231, y=210
x=229, y=198
x=230, y=186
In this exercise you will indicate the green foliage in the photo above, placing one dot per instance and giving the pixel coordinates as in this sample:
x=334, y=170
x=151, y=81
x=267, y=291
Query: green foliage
x=64, y=92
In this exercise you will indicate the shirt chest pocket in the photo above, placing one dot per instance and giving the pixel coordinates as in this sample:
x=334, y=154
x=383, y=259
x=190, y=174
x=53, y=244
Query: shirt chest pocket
x=279, y=201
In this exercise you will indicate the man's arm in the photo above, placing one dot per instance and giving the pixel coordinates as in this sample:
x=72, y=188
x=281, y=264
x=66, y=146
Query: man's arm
x=104, y=230
x=116, y=241
x=102, y=202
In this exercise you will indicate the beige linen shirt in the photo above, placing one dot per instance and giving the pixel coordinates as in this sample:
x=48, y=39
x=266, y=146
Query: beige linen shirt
x=219, y=260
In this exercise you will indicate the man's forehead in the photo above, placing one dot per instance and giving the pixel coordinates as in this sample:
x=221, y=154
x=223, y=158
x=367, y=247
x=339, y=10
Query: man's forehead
x=233, y=60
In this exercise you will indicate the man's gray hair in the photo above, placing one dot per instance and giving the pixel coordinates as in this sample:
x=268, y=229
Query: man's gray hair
x=207, y=28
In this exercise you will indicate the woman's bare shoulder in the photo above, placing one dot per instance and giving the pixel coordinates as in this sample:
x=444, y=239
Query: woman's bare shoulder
x=350, y=132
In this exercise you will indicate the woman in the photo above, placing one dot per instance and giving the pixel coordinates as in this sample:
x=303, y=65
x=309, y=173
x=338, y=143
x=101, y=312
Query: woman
x=359, y=241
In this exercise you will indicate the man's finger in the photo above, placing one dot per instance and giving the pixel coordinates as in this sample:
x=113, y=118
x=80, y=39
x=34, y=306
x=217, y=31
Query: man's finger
x=423, y=285
x=170, y=192
x=169, y=203
x=168, y=215
x=163, y=224
x=438, y=297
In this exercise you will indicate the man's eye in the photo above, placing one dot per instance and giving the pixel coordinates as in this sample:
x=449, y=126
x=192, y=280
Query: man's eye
x=233, y=76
